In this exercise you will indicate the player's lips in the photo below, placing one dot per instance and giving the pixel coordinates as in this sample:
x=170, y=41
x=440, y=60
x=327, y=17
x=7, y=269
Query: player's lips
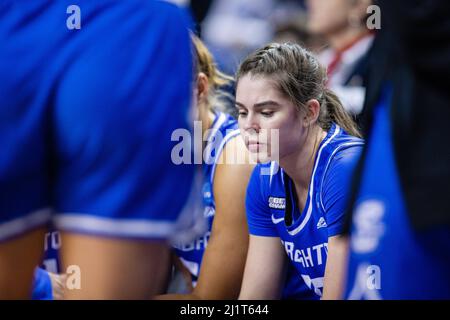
x=254, y=146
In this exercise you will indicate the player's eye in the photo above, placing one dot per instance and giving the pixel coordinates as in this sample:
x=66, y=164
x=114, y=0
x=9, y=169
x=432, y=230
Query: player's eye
x=242, y=113
x=267, y=113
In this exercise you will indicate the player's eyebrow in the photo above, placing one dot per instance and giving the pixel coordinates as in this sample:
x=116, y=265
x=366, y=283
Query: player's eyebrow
x=260, y=104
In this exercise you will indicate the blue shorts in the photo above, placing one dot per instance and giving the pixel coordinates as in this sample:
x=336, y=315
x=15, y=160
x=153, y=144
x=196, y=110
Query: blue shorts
x=86, y=116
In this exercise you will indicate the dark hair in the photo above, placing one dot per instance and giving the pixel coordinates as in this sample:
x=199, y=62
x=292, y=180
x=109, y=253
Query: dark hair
x=299, y=76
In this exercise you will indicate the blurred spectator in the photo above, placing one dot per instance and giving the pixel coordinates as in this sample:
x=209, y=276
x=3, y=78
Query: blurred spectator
x=199, y=9
x=343, y=24
x=234, y=28
x=296, y=30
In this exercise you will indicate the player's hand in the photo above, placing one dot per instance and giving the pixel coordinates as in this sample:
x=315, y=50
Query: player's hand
x=58, y=285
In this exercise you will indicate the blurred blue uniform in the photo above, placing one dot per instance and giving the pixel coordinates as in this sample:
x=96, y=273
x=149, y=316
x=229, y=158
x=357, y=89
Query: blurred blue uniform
x=272, y=210
x=388, y=259
x=223, y=129
x=42, y=287
x=52, y=244
x=86, y=117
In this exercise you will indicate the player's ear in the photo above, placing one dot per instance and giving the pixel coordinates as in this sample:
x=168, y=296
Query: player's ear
x=312, y=112
x=202, y=87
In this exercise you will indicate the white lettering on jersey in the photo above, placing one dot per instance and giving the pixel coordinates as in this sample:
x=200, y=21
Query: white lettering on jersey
x=315, y=284
x=307, y=257
x=52, y=240
x=277, y=203
x=368, y=226
x=199, y=243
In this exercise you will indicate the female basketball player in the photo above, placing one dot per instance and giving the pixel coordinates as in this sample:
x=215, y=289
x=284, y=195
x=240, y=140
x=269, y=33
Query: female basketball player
x=223, y=196
x=84, y=150
x=300, y=198
x=216, y=259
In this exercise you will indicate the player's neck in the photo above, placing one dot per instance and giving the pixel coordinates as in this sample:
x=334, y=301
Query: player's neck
x=299, y=165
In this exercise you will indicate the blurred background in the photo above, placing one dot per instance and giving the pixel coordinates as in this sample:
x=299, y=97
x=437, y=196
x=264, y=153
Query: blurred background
x=335, y=30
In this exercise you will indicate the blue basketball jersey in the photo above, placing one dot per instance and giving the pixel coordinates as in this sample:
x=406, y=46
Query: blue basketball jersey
x=223, y=129
x=87, y=116
x=272, y=210
x=52, y=244
x=388, y=259
x=42, y=287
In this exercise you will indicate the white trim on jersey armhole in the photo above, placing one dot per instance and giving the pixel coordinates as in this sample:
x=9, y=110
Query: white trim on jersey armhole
x=328, y=165
x=24, y=224
x=228, y=137
x=219, y=122
x=311, y=189
x=274, y=167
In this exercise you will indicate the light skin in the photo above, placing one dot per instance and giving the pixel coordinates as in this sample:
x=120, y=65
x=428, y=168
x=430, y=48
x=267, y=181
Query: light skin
x=19, y=257
x=337, y=20
x=299, y=139
x=224, y=258
x=118, y=272
x=336, y=268
x=58, y=282
x=102, y=276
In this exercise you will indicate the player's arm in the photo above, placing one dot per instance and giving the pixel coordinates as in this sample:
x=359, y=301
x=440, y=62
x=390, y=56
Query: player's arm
x=335, y=271
x=264, y=274
x=58, y=285
x=223, y=262
x=264, y=270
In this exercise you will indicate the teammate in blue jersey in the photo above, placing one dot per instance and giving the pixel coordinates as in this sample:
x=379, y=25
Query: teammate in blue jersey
x=294, y=204
x=48, y=285
x=42, y=285
x=90, y=95
x=388, y=260
x=216, y=259
x=399, y=230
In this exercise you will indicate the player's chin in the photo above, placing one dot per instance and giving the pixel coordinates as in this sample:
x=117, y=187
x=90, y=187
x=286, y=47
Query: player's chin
x=260, y=157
